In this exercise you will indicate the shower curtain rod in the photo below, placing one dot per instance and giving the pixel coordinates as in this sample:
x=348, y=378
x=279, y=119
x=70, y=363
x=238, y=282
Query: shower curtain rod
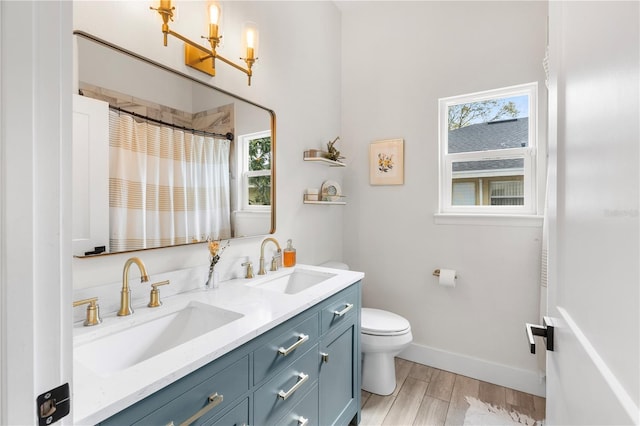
x=228, y=136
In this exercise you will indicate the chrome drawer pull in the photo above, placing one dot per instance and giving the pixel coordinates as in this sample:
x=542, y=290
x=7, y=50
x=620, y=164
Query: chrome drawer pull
x=302, y=421
x=214, y=401
x=346, y=309
x=301, y=379
x=301, y=339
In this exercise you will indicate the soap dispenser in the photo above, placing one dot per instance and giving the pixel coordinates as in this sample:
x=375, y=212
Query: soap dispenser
x=289, y=255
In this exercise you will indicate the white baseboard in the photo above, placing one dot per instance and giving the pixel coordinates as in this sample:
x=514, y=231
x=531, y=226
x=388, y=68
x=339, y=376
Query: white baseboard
x=514, y=378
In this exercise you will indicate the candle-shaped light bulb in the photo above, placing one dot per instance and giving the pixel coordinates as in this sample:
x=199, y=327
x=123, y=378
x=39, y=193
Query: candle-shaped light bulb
x=214, y=14
x=251, y=40
x=165, y=4
x=214, y=19
x=251, y=44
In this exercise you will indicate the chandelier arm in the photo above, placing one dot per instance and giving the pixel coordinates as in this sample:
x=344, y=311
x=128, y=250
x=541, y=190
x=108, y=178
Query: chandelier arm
x=236, y=66
x=210, y=53
x=192, y=43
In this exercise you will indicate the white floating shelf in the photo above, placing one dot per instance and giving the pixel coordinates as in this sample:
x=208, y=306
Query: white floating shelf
x=341, y=203
x=330, y=163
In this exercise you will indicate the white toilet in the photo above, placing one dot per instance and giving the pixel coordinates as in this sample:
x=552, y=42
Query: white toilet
x=383, y=335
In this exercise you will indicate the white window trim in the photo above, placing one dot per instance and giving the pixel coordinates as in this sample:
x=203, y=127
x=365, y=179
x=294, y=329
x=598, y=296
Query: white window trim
x=244, y=173
x=528, y=154
x=488, y=219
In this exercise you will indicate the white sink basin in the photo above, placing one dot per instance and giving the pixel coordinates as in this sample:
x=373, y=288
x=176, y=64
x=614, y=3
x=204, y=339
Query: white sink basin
x=120, y=350
x=296, y=281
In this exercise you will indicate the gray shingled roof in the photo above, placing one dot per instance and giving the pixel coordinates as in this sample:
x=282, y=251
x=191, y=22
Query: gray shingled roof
x=513, y=133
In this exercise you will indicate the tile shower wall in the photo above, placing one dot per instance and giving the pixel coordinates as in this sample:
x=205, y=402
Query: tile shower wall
x=216, y=120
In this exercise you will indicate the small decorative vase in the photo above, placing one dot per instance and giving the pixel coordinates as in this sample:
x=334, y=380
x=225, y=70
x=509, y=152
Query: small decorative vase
x=212, y=279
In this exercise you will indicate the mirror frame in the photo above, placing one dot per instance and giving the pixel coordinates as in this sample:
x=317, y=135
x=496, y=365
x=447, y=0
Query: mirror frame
x=272, y=115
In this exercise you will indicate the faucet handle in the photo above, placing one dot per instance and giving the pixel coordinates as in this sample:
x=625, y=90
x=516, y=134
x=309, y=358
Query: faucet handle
x=249, y=266
x=93, y=311
x=279, y=258
x=274, y=262
x=154, y=301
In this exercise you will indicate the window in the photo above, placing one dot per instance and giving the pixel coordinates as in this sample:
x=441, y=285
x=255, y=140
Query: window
x=488, y=151
x=255, y=165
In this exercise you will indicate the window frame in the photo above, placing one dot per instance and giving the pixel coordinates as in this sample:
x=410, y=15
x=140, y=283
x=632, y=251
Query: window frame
x=244, y=172
x=528, y=154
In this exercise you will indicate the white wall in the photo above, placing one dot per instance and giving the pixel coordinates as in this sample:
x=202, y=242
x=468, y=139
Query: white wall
x=297, y=75
x=398, y=59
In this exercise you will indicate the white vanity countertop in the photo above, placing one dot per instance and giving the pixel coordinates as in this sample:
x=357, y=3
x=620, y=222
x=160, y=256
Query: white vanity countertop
x=97, y=397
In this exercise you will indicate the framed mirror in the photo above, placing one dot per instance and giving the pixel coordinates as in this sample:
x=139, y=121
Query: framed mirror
x=162, y=159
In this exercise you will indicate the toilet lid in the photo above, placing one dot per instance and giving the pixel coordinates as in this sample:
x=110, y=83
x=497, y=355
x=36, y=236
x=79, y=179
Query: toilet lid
x=383, y=323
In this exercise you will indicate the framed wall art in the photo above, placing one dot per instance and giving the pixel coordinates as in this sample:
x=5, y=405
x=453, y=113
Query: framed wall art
x=386, y=162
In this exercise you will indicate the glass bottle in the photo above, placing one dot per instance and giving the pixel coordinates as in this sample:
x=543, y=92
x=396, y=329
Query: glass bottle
x=289, y=255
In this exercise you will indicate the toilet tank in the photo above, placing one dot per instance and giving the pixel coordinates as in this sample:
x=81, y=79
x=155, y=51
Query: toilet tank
x=335, y=265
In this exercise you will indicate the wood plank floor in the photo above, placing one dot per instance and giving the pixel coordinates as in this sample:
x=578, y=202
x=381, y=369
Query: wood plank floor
x=428, y=396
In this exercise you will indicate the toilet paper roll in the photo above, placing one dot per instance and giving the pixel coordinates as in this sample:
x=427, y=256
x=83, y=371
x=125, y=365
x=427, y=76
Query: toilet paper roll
x=447, y=277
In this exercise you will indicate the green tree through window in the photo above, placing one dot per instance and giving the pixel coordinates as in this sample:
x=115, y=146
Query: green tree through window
x=462, y=115
x=260, y=159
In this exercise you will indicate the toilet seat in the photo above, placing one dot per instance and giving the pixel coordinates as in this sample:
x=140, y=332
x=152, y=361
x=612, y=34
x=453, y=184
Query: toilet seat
x=377, y=322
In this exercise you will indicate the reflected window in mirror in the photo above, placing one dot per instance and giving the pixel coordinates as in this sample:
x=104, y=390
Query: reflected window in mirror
x=255, y=169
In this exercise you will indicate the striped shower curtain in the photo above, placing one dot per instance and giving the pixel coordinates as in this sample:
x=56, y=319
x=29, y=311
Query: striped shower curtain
x=166, y=186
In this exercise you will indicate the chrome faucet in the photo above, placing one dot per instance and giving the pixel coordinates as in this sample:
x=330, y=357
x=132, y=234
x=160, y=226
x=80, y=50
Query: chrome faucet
x=262, y=271
x=125, y=296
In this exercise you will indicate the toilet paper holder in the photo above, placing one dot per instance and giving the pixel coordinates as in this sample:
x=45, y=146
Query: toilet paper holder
x=436, y=273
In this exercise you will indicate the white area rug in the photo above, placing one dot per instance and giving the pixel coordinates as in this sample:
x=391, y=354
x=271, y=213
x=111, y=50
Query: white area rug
x=481, y=413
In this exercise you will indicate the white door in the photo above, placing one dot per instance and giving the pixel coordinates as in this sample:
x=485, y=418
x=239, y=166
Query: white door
x=594, y=372
x=35, y=163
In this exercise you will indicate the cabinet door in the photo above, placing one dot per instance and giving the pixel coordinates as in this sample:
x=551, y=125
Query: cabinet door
x=338, y=376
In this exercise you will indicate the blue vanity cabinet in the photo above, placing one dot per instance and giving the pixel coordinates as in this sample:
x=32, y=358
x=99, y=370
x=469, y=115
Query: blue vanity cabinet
x=228, y=376
x=303, y=371
x=339, y=378
x=339, y=390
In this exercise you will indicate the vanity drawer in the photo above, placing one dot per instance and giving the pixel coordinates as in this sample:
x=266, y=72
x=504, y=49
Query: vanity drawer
x=228, y=384
x=284, y=348
x=237, y=416
x=285, y=390
x=338, y=309
x=304, y=413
